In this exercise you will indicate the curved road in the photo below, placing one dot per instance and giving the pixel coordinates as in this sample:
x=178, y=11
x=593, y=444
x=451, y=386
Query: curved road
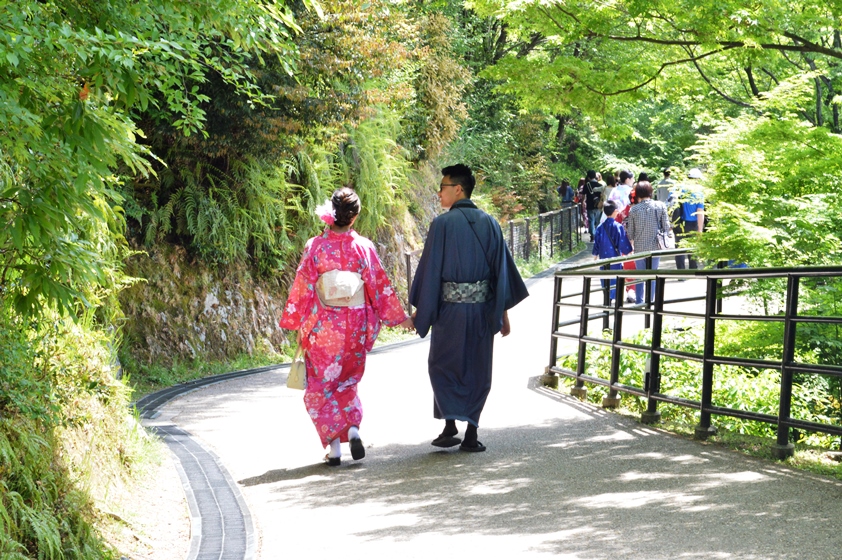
x=560, y=479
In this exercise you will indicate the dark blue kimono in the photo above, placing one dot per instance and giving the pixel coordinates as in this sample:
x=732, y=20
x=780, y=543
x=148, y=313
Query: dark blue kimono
x=462, y=342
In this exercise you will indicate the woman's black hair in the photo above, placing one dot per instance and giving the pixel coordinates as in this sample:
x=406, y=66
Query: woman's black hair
x=346, y=205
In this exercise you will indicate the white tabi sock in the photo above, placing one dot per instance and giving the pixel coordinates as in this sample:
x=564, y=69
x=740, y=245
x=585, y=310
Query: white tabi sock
x=353, y=433
x=335, y=449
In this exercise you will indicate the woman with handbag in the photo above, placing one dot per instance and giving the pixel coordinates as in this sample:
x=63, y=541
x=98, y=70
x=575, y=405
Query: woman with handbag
x=646, y=220
x=337, y=301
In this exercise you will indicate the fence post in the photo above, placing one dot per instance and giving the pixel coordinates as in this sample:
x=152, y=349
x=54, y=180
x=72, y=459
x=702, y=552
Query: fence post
x=579, y=390
x=606, y=296
x=528, y=238
x=540, y=237
x=550, y=379
x=652, y=415
x=408, y=260
x=552, y=236
x=569, y=215
x=783, y=448
x=704, y=429
x=612, y=400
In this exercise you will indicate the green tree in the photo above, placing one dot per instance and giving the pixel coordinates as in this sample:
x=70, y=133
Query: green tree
x=71, y=76
x=595, y=56
x=243, y=191
x=773, y=182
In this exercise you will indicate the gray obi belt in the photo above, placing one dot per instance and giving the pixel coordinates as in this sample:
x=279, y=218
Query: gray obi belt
x=466, y=292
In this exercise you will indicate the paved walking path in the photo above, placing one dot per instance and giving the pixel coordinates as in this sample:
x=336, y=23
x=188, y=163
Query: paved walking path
x=560, y=478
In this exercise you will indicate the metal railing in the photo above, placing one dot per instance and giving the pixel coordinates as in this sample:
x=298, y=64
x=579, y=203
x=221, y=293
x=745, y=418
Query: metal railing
x=719, y=285
x=545, y=234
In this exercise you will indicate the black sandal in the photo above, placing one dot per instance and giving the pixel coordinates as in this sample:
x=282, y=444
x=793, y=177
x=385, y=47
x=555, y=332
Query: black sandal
x=332, y=461
x=446, y=441
x=477, y=448
x=357, y=448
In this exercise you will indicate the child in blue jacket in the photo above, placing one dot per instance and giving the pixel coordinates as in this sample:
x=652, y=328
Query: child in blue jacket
x=610, y=240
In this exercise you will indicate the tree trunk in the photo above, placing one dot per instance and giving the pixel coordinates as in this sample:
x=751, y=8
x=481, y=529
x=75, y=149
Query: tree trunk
x=754, y=90
x=819, y=101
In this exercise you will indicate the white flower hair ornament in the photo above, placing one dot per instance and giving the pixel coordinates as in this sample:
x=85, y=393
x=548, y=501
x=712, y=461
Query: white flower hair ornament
x=326, y=212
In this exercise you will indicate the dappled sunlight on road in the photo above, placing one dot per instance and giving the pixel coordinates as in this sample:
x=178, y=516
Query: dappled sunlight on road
x=637, y=499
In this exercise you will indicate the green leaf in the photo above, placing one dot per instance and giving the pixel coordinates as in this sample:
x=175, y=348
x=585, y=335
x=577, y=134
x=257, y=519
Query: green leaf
x=17, y=233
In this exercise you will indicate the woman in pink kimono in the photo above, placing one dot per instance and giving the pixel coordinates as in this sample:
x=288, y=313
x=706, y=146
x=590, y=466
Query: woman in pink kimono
x=339, y=297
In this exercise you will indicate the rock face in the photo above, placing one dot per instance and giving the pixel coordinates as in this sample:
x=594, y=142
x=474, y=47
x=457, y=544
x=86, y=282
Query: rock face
x=182, y=309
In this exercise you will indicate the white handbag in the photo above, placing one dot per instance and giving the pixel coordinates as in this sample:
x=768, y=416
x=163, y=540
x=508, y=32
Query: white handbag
x=666, y=240
x=297, y=378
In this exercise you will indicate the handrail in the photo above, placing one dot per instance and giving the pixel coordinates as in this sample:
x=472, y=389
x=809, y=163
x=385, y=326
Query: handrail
x=653, y=309
x=703, y=273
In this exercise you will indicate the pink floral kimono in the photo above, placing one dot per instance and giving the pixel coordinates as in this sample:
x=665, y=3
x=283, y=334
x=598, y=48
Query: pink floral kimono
x=336, y=339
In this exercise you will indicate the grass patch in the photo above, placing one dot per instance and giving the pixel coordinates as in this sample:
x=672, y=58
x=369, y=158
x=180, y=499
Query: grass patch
x=148, y=378
x=393, y=335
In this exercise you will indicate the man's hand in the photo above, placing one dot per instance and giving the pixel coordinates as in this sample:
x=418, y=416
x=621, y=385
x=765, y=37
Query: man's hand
x=507, y=328
x=408, y=324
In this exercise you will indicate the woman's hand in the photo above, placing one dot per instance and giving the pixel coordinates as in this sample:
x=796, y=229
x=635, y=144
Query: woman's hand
x=408, y=324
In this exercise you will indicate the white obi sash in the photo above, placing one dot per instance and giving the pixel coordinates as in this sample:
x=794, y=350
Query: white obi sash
x=340, y=288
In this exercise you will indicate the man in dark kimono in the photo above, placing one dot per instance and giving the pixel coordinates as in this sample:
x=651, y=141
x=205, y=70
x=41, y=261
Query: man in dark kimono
x=465, y=282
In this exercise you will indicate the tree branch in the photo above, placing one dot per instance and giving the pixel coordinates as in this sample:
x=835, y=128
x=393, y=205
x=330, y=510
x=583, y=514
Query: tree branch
x=526, y=48
x=792, y=62
x=768, y=73
x=554, y=20
x=807, y=47
x=657, y=73
x=819, y=113
x=695, y=62
x=812, y=47
x=804, y=46
x=754, y=89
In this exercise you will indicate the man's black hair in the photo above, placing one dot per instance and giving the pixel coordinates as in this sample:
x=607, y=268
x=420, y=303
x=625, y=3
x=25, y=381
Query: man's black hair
x=462, y=175
x=609, y=207
x=591, y=174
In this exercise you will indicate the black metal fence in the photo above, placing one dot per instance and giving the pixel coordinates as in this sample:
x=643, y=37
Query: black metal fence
x=670, y=298
x=544, y=235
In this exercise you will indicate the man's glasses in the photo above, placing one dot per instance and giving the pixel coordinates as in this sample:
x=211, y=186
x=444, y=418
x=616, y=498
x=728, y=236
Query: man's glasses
x=443, y=185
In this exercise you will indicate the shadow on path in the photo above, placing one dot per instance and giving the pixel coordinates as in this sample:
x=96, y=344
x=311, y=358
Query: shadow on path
x=597, y=487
